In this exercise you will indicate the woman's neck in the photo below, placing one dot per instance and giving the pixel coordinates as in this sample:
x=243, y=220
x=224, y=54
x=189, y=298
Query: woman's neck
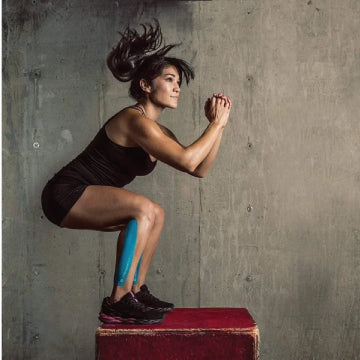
x=151, y=110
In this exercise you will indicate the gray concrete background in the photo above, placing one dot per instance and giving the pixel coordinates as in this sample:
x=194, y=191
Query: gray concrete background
x=274, y=227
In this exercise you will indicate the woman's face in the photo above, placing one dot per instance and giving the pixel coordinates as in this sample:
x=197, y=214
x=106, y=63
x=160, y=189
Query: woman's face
x=165, y=88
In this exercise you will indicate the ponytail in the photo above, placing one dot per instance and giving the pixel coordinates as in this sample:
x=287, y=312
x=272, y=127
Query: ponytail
x=139, y=56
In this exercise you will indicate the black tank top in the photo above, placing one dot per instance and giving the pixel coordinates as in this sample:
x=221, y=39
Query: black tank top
x=104, y=162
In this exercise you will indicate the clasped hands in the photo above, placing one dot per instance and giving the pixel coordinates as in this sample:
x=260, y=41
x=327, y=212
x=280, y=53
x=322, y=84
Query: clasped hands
x=217, y=109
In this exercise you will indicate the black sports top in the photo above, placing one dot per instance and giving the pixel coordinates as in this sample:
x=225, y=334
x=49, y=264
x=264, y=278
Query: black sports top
x=104, y=162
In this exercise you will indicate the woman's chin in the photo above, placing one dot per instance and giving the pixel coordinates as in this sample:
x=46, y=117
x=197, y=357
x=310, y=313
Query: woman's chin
x=169, y=105
x=173, y=105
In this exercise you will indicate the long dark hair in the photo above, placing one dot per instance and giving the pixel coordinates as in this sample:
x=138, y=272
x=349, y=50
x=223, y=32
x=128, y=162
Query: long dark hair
x=139, y=56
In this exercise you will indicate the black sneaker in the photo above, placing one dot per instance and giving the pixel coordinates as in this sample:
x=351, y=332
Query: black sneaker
x=150, y=300
x=128, y=310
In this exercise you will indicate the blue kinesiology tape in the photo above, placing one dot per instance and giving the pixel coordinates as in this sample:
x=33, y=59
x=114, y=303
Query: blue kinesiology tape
x=127, y=253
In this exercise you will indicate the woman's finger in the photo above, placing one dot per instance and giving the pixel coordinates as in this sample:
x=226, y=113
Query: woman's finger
x=227, y=102
x=213, y=101
x=207, y=104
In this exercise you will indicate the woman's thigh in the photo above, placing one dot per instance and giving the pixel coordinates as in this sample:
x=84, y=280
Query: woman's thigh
x=105, y=208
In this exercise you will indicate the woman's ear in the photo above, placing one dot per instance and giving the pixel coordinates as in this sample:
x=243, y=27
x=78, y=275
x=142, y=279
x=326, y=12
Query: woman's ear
x=145, y=86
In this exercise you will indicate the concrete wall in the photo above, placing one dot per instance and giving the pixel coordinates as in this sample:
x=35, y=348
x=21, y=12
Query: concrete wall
x=275, y=227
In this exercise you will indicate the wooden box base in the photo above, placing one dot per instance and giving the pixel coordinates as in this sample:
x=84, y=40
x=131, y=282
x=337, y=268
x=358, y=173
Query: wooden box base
x=186, y=333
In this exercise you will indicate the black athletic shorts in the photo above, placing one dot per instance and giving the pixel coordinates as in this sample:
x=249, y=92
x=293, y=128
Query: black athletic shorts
x=59, y=196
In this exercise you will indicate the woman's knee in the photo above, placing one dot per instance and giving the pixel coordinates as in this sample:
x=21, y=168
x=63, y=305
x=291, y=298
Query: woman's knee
x=159, y=213
x=146, y=210
x=151, y=211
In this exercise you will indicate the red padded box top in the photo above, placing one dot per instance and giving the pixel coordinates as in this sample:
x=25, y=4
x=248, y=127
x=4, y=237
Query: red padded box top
x=190, y=319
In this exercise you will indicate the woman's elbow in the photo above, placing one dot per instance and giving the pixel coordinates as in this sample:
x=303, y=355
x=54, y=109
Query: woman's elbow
x=198, y=173
x=188, y=163
x=191, y=165
x=192, y=168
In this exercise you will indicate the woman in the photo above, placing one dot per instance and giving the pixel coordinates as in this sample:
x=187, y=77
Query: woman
x=88, y=193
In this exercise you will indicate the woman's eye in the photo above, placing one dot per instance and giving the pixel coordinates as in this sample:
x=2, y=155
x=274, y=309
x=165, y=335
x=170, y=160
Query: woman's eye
x=171, y=79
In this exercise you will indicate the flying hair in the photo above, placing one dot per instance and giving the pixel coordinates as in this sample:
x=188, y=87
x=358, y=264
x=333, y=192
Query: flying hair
x=143, y=56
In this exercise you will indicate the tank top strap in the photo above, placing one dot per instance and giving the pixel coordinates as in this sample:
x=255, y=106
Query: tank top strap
x=137, y=107
x=128, y=107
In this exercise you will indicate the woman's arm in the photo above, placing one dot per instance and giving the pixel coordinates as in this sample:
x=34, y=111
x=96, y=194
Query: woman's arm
x=205, y=165
x=148, y=134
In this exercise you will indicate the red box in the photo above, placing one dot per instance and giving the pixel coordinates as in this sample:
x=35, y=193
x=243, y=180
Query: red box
x=186, y=334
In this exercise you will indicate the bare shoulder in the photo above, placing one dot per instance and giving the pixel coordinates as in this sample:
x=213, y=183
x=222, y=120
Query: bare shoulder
x=124, y=116
x=120, y=126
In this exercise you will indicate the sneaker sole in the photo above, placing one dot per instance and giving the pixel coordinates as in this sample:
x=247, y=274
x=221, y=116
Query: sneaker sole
x=108, y=319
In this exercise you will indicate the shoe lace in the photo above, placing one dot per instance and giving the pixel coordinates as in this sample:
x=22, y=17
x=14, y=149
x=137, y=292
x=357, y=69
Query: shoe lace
x=150, y=296
x=136, y=304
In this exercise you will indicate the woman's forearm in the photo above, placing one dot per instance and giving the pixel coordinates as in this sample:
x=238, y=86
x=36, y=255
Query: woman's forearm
x=225, y=105
x=198, y=151
x=205, y=165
